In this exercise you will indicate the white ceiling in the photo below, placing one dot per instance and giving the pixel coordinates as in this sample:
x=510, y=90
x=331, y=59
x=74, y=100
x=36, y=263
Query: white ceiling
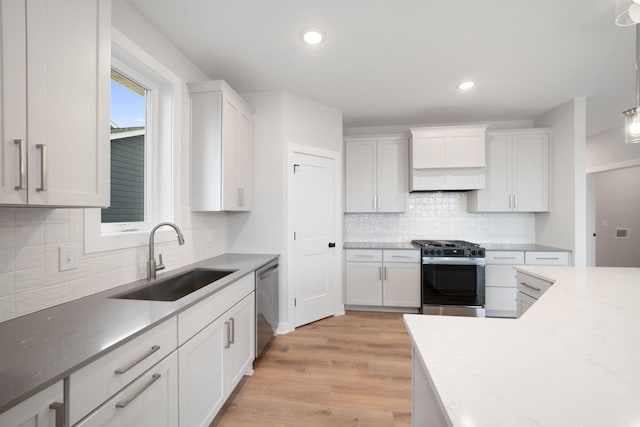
x=391, y=62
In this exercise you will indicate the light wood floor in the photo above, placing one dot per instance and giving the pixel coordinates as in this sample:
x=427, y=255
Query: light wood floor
x=352, y=370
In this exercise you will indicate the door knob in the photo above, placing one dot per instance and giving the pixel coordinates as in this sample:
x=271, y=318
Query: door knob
x=332, y=244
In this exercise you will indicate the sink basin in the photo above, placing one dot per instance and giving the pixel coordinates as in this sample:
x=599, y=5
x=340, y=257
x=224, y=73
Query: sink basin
x=174, y=288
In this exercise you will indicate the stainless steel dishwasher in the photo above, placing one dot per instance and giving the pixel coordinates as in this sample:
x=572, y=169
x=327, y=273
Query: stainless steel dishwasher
x=266, y=305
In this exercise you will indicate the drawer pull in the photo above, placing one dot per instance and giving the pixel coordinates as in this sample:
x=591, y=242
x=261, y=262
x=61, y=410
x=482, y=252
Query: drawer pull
x=154, y=378
x=58, y=408
x=232, y=340
x=549, y=258
x=363, y=256
x=401, y=256
x=504, y=257
x=531, y=287
x=228, y=327
x=44, y=165
x=22, y=164
x=120, y=371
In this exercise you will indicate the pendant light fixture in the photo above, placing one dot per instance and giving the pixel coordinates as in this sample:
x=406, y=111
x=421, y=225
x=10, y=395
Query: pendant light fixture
x=632, y=115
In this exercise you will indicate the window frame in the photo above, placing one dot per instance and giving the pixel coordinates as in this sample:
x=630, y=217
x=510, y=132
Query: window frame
x=161, y=203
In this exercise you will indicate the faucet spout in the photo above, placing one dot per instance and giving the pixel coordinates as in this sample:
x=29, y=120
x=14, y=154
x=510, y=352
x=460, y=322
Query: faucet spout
x=152, y=267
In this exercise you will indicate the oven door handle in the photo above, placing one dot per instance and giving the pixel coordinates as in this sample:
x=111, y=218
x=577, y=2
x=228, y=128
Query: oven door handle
x=454, y=261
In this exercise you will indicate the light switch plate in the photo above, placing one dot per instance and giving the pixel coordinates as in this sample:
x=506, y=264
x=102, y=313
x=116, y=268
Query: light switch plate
x=68, y=258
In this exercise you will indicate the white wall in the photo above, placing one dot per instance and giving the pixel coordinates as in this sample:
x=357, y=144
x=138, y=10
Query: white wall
x=280, y=119
x=30, y=237
x=440, y=216
x=617, y=206
x=607, y=150
x=565, y=226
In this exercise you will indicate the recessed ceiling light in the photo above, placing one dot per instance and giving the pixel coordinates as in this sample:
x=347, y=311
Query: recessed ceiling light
x=312, y=37
x=466, y=85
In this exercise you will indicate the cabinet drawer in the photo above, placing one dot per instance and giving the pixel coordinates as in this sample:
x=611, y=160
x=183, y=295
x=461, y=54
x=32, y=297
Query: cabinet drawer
x=398, y=255
x=196, y=318
x=532, y=286
x=547, y=258
x=505, y=257
x=101, y=379
x=151, y=400
x=500, y=275
x=369, y=255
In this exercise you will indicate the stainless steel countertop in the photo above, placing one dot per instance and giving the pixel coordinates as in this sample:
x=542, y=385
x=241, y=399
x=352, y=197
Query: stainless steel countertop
x=379, y=245
x=41, y=348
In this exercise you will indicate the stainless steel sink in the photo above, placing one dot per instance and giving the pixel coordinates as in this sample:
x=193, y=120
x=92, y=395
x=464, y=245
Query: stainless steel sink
x=174, y=288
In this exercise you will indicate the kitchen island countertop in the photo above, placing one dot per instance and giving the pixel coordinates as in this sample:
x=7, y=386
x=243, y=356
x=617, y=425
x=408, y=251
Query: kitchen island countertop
x=41, y=348
x=571, y=359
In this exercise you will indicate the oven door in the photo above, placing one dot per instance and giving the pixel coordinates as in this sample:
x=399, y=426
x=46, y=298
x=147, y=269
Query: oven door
x=453, y=281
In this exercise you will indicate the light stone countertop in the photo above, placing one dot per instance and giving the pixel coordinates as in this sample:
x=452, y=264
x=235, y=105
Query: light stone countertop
x=41, y=348
x=527, y=247
x=573, y=359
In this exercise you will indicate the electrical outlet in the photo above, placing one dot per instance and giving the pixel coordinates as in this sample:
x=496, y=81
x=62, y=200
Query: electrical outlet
x=622, y=233
x=68, y=258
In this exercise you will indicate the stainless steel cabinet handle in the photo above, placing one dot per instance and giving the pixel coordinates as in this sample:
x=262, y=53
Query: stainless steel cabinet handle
x=530, y=287
x=379, y=273
x=548, y=258
x=154, y=378
x=232, y=340
x=510, y=202
x=515, y=201
x=504, y=257
x=120, y=371
x=44, y=165
x=363, y=256
x=227, y=325
x=400, y=256
x=22, y=164
x=59, y=410
x=385, y=273
x=378, y=203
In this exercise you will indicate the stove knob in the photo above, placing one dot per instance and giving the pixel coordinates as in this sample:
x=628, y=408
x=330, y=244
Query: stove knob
x=439, y=252
x=480, y=252
x=432, y=252
x=473, y=252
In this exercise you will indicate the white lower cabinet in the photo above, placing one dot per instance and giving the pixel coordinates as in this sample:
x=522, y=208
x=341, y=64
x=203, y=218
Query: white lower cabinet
x=149, y=401
x=501, y=287
x=386, y=278
x=217, y=338
x=45, y=409
x=530, y=289
x=524, y=303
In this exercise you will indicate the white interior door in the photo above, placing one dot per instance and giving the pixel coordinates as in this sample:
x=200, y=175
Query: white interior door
x=313, y=209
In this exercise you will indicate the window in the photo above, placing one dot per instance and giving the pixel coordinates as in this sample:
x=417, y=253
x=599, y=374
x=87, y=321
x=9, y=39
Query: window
x=129, y=104
x=145, y=161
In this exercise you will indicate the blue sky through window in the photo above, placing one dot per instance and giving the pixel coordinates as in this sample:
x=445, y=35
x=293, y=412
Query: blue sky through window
x=127, y=106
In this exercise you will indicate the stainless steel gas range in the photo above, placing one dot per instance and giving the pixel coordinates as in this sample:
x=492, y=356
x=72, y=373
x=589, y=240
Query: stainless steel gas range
x=452, y=277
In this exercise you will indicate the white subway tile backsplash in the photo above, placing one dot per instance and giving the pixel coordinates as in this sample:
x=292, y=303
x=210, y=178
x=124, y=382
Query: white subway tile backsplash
x=29, y=241
x=28, y=280
x=29, y=235
x=29, y=257
x=7, y=308
x=56, y=233
x=440, y=216
x=28, y=302
x=7, y=284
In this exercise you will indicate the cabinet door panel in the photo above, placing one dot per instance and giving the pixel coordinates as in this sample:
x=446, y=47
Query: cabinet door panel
x=401, y=285
x=13, y=95
x=244, y=161
x=35, y=411
x=361, y=176
x=239, y=356
x=202, y=375
x=364, y=283
x=503, y=276
x=496, y=195
x=230, y=117
x=501, y=301
x=393, y=176
x=69, y=56
x=152, y=401
x=531, y=172
x=524, y=303
x=465, y=151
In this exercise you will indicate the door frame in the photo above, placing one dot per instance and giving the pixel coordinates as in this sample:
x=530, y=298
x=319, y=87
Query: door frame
x=338, y=218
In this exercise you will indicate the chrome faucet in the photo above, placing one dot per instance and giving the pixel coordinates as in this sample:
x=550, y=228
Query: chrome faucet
x=152, y=267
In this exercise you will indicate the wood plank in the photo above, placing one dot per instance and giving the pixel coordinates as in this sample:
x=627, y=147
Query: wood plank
x=351, y=370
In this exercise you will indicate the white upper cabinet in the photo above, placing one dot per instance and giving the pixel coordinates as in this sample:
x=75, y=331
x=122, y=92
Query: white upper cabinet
x=517, y=173
x=221, y=148
x=447, y=158
x=377, y=174
x=55, y=66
